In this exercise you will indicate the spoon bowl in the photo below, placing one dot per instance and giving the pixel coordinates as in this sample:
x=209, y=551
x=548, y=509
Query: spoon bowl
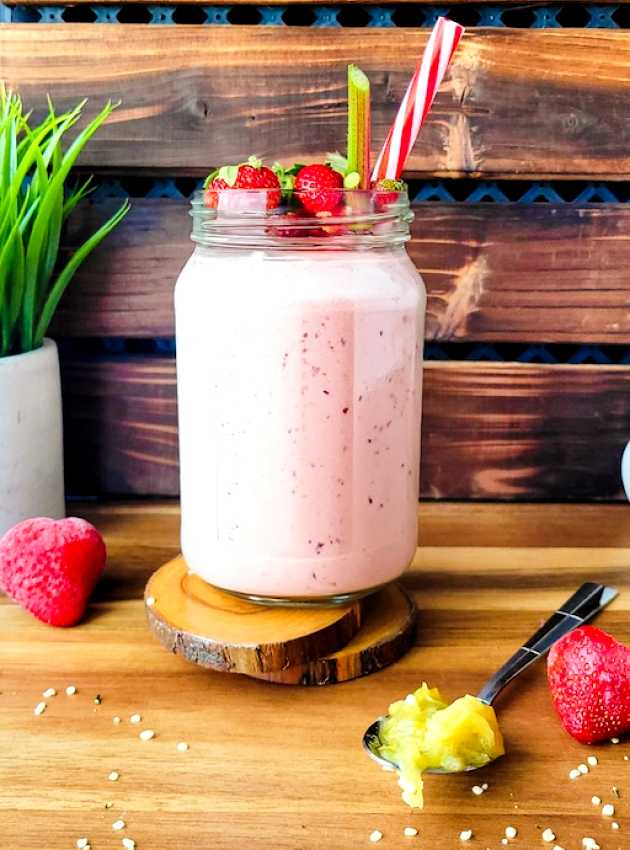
x=372, y=745
x=585, y=603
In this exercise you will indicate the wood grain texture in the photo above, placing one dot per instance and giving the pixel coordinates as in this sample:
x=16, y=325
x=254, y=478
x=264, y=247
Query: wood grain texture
x=222, y=632
x=531, y=272
x=386, y=634
x=283, y=767
x=490, y=430
x=517, y=102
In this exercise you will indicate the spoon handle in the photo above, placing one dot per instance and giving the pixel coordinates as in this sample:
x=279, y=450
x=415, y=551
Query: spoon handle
x=589, y=600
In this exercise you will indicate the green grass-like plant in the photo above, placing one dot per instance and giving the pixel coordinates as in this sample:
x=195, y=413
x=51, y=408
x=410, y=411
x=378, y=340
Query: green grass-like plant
x=34, y=204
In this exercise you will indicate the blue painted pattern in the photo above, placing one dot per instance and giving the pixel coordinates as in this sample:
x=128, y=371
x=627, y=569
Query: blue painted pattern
x=596, y=16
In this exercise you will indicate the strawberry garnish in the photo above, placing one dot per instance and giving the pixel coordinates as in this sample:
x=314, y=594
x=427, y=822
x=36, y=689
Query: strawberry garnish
x=319, y=188
x=293, y=224
x=589, y=676
x=246, y=175
x=386, y=193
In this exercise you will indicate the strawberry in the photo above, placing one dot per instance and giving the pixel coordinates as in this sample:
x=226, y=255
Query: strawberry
x=386, y=192
x=51, y=566
x=247, y=175
x=589, y=676
x=291, y=224
x=319, y=188
x=340, y=228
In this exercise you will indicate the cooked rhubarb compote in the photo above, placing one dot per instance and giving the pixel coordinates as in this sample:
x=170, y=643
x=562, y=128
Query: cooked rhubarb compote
x=423, y=732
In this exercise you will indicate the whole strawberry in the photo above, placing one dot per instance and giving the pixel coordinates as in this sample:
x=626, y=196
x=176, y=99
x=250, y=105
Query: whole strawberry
x=589, y=676
x=51, y=567
x=319, y=188
x=246, y=175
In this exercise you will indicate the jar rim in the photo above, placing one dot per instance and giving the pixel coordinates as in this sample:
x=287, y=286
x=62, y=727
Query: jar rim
x=347, y=218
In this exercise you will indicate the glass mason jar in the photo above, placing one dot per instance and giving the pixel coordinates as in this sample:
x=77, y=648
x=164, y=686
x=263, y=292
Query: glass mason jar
x=299, y=367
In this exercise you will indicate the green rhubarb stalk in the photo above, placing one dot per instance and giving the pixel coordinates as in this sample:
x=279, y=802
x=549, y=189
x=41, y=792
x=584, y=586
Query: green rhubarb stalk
x=358, y=127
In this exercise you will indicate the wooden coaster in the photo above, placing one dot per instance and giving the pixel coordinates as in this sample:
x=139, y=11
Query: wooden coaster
x=216, y=630
x=387, y=632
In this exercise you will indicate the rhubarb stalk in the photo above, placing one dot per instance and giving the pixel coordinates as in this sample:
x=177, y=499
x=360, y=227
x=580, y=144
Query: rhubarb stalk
x=358, y=126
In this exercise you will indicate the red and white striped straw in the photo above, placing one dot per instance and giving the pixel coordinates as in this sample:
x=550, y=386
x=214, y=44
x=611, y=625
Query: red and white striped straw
x=418, y=99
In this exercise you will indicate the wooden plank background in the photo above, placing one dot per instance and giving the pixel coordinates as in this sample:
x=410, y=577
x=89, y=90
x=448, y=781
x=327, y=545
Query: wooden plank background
x=490, y=431
x=518, y=102
x=494, y=272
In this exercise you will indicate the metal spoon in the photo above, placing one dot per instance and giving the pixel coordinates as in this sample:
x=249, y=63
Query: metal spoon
x=585, y=603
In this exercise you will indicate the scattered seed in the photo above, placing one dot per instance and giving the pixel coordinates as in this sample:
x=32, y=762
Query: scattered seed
x=376, y=836
x=182, y=747
x=116, y=719
x=548, y=835
x=626, y=758
x=614, y=825
x=98, y=699
x=49, y=692
x=590, y=844
x=614, y=740
x=114, y=776
x=40, y=708
x=82, y=843
x=146, y=734
x=504, y=841
x=608, y=810
x=119, y=824
x=574, y=774
x=108, y=804
x=557, y=847
x=616, y=791
x=485, y=786
x=595, y=800
x=466, y=835
x=150, y=601
x=511, y=832
x=71, y=690
x=410, y=831
x=582, y=768
x=128, y=843
x=477, y=790
x=135, y=718
x=592, y=760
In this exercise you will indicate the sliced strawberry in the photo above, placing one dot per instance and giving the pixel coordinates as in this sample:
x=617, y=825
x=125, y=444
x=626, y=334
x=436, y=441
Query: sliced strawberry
x=210, y=196
x=247, y=175
x=319, y=188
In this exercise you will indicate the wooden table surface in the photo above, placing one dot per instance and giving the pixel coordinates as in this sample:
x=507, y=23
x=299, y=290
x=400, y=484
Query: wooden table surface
x=277, y=767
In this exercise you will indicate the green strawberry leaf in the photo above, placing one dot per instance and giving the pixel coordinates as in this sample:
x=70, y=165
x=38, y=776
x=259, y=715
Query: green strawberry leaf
x=338, y=162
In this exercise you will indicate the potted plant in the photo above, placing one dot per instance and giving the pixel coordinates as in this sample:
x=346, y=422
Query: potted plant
x=35, y=201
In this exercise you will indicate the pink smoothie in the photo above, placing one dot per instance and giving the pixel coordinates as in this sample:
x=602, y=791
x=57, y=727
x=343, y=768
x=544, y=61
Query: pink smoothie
x=299, y=382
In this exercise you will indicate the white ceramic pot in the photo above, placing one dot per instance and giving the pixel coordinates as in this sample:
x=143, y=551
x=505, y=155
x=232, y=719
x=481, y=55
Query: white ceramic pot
x=31, y=440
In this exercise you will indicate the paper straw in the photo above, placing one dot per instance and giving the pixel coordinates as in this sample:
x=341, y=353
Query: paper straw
x=418, y=99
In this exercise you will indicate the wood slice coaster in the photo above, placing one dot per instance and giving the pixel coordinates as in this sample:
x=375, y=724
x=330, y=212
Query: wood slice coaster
x=387, y=632
x=222, y=632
